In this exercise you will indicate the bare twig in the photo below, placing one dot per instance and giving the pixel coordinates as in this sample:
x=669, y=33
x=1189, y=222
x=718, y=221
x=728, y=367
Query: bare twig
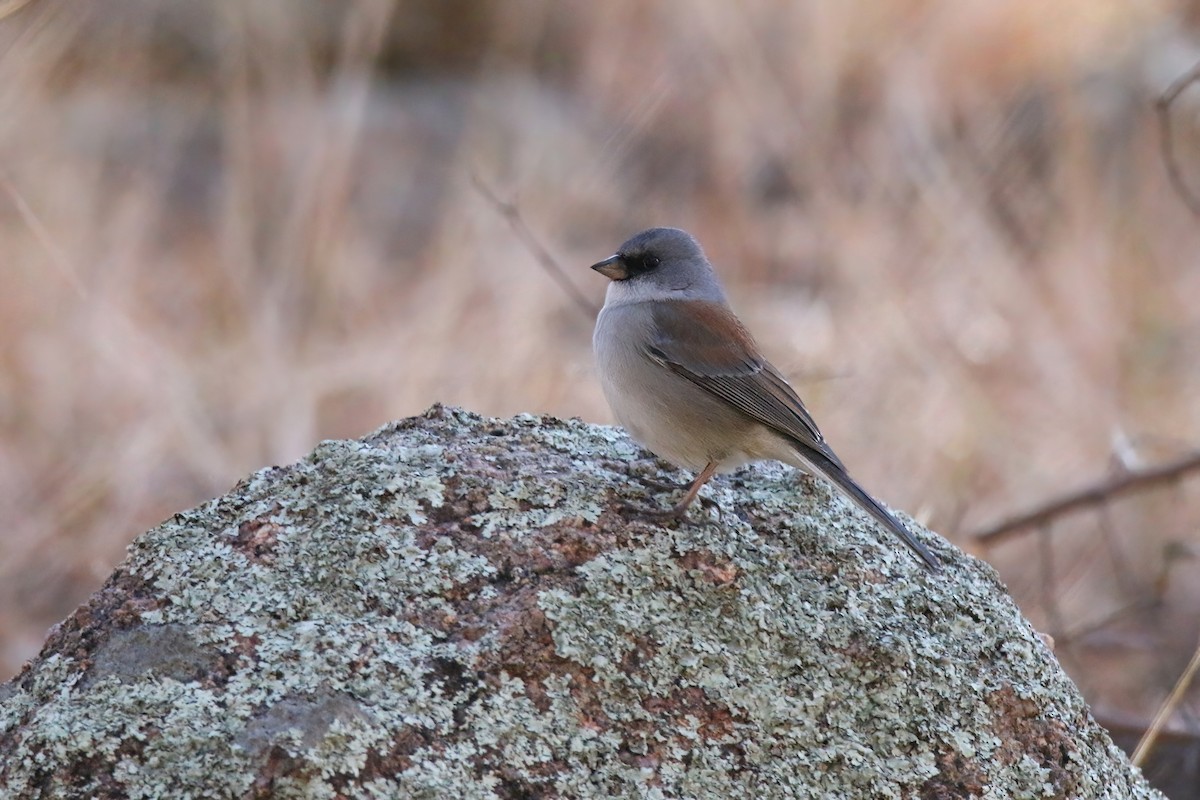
x=10, y=7
x=1046, y=572
x=1172, y=553
x=510, y=212
x=1132, y=609
x=58, y=256
x=1166, y=710
x=1167, y=139
x=1090, y=496
x=1116, y=556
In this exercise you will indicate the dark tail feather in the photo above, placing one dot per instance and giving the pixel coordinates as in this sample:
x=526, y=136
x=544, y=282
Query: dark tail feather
x=836, y=474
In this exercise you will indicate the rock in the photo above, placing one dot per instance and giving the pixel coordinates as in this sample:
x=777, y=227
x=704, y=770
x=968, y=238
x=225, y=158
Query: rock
x=454, y=607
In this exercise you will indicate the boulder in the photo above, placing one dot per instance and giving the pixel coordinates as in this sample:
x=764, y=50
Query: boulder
x=458, y=607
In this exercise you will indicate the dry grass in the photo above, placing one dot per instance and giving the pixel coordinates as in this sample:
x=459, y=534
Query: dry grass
x=233, y=229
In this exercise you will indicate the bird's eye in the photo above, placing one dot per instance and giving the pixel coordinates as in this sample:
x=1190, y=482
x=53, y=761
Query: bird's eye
x=650, y=262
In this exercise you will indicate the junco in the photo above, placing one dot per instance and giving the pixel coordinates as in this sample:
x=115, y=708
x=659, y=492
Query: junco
x=684, y=377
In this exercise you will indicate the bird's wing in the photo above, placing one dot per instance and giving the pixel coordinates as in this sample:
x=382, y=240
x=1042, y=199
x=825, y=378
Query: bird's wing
x=712, y=349
x=708, y=346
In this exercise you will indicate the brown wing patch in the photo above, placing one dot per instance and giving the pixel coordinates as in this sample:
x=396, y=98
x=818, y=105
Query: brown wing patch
x=706, y=344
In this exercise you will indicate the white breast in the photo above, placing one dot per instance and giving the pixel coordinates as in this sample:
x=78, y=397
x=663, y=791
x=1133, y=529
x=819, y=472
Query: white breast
x=666, y=413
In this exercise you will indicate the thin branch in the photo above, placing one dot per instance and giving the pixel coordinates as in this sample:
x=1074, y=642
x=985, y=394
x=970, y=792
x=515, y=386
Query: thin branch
x=1166, y=710
x=58, y=256
x=1167, y=138
x=510, y=212
x=1090, y=496
x=1126, y=727
x=1046, y=573
x=1134, y=607
x=10, y=7
x=1116, y=555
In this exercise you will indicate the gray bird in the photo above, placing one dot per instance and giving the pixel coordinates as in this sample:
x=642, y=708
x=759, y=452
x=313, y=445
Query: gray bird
x=685, y=378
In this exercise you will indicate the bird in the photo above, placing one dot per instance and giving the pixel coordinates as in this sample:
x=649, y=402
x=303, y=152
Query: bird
x=685, y=378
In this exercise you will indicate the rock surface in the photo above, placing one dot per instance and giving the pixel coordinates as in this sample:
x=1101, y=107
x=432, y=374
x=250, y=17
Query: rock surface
x=453, y=607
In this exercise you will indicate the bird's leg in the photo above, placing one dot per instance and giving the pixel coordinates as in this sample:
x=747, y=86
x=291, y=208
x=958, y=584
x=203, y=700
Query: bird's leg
x=679, y=509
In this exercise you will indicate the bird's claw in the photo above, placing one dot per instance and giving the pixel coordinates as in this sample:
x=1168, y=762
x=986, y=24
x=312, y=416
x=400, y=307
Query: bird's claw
x=662, y=486
x=675, y=513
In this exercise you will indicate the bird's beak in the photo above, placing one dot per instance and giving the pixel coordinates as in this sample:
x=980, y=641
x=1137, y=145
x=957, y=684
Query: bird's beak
x=612, y=268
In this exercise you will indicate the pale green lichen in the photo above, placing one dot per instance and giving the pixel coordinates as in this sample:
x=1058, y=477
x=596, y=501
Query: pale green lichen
x=364, y=624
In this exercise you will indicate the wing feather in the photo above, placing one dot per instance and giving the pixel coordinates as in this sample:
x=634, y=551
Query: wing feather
x=710, y=348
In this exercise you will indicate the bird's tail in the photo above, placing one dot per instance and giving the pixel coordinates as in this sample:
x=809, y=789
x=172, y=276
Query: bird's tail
x=836, y=474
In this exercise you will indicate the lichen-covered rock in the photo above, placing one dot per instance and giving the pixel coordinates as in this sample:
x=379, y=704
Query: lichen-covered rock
x=454, y=607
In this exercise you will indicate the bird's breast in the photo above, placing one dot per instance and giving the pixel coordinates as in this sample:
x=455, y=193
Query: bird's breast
x=667, y=413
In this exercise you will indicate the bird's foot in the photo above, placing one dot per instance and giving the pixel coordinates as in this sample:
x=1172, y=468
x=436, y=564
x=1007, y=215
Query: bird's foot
x=638, y=469
x=663, y=486
x=675, y=513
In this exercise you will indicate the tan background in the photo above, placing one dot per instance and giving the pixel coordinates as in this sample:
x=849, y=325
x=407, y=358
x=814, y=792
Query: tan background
x=229, y=230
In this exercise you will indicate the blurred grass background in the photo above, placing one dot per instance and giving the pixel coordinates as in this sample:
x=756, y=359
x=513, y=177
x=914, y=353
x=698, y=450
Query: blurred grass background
x=229, y=230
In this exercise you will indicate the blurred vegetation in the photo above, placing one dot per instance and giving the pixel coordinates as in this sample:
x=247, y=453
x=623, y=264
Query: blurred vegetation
x=233, y=229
